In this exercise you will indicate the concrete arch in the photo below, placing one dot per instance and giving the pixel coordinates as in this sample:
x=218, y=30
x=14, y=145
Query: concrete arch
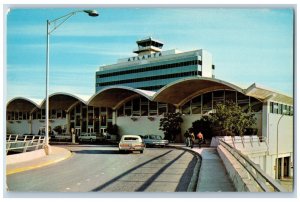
x=114, y=96
x=178, y=92
x=62, y=100
x=22, y=104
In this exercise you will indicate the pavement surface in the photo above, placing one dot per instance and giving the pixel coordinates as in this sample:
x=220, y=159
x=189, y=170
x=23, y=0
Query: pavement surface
x=211, y=178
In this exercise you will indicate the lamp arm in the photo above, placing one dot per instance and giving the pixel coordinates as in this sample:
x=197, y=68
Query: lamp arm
x=66, y=17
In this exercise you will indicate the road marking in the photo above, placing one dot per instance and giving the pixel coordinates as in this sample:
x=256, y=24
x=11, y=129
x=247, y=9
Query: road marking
x=67, y=188
x=22, y=169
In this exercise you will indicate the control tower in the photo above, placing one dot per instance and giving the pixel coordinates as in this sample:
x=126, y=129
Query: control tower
x=148, y=46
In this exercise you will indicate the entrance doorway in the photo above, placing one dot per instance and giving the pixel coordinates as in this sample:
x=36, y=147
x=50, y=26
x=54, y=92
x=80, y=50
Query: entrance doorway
x=90, y=130
x=283, y=167
x=286, y=167
x=102, y=131
x=77, y=131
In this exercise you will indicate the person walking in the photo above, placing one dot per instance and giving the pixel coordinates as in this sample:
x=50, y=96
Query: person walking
x=187, y=138
x=192, y=140
x=200, y=137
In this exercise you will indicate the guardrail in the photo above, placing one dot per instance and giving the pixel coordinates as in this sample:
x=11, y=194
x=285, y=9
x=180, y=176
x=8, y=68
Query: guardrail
x=233, y=140
x=23, y=143
x=255, y=173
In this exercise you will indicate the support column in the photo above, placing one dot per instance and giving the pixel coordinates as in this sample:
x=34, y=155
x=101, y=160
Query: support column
x=114, y=117
x=178, y=109
x=282, y=167
x=265, y=120
x=68, y=122
x=30, y=123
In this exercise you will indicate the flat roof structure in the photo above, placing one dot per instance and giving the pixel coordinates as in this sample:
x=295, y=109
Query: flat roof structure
x=263, y=93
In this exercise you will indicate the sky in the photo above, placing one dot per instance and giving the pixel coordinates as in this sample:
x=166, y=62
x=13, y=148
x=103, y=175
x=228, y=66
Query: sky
x=248, y=45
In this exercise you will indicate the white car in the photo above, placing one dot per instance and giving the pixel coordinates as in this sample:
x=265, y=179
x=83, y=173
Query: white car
x=131, y=143
x=90, y=137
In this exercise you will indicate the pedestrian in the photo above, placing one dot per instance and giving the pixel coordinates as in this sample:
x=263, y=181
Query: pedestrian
x=192, y=140
x=200, y=137
x=187, y=138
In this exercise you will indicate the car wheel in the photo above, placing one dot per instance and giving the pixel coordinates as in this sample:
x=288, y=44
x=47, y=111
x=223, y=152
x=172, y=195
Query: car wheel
x=91, y=140
x=142, y=151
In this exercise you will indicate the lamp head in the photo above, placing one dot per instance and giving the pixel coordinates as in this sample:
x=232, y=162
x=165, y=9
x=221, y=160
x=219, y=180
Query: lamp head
x=92, y=13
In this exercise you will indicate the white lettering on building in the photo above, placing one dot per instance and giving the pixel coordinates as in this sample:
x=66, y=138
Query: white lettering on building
x=154, y=55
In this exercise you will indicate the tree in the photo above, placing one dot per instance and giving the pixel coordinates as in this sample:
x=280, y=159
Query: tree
x=203, y=125
x=113, y=129
x=232, y=118
x=171, y=125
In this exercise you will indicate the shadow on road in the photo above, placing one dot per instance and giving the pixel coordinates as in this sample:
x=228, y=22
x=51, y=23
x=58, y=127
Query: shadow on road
x=94, y=151
x=158, y=173
x=187, y=175
x=128, y=172
x=183, y=183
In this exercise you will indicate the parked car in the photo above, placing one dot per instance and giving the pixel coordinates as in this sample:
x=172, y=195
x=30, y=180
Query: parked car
x=131, y=143
x=154, y=140
x=61, y=137
x=111, y=138
x=84, y=137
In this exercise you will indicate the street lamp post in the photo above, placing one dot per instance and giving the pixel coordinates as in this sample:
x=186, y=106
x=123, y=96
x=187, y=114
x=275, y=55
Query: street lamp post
x=277, y=166
x=92, y=13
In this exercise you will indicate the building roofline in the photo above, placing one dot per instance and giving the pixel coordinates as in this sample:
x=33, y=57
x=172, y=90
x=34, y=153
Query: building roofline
x=81, y=98
x=35, y=102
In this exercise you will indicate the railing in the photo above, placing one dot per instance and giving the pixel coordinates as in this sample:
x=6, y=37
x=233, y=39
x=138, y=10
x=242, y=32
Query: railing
x=255, y=173
x=243, y=140
x=16, y=143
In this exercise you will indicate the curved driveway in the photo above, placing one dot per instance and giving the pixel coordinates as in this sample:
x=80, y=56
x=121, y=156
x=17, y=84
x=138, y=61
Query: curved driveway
x=94, y=168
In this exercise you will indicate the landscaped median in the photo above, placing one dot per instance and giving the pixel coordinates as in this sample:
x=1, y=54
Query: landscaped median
x=35, y=159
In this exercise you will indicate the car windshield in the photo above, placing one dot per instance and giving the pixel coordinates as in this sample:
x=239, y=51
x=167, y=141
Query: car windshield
x=131, y=138
x=155, y=137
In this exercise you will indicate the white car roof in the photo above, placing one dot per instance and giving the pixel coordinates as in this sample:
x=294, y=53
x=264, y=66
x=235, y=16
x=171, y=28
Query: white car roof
x=130, y=136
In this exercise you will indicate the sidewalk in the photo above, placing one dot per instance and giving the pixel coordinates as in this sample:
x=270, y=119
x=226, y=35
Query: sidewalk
x=57, y=154
x=212, y=176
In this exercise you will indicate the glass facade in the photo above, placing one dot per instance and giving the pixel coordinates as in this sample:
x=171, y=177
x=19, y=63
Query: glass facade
x=89, y=118
x=201, y=104
x=277, y=108
x=141, y=106
x=83, y=117
x=206, y=103
x=150, y=76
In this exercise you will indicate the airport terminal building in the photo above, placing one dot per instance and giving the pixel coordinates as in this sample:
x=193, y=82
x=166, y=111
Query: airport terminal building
x=135, y=92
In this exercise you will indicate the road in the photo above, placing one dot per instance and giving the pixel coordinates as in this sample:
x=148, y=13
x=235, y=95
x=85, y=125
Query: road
x=95, y=168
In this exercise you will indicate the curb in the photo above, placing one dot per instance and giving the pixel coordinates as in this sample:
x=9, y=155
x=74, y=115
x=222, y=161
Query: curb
x=17, y=170
x=194, y=180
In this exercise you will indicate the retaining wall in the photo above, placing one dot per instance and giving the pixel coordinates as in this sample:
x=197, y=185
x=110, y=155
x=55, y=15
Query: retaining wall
x=27, y=156
x=236, y=172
